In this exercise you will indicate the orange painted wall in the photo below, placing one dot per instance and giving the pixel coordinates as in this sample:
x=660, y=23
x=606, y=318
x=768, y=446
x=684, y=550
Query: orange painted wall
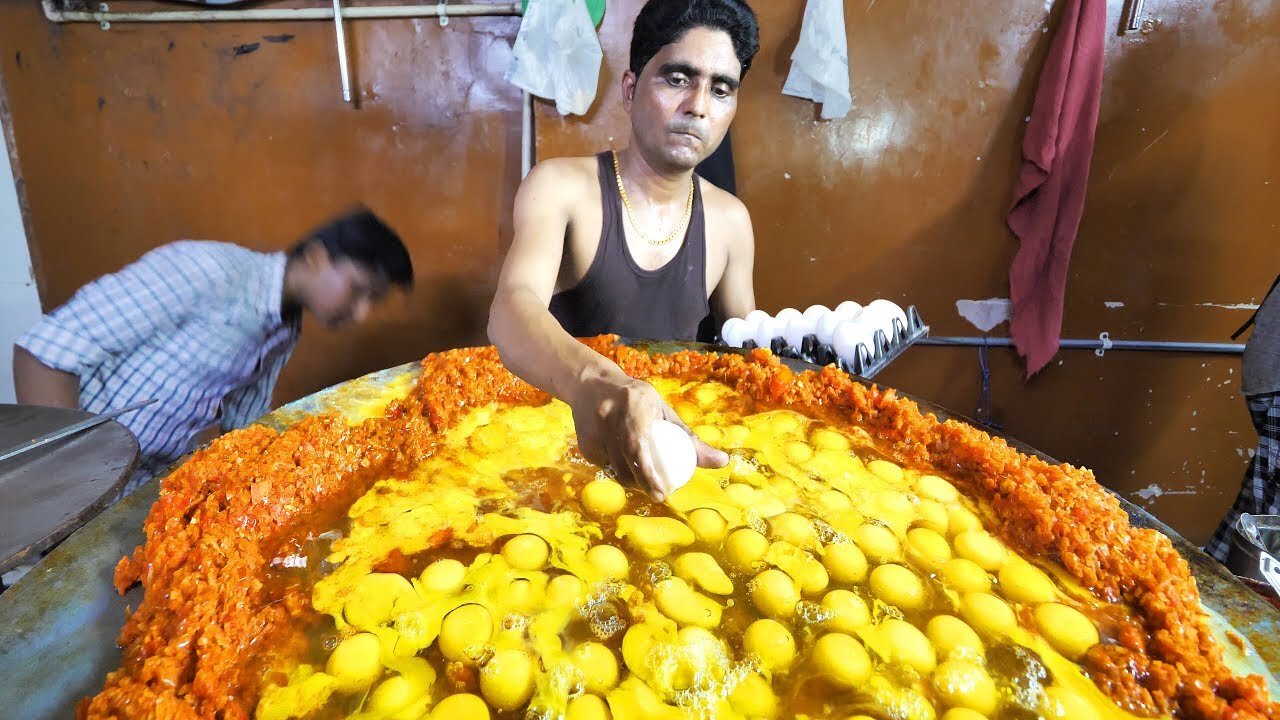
x=136, y=136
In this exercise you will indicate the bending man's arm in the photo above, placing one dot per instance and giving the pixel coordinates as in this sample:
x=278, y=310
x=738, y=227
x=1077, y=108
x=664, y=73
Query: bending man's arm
x=531, y=342
x=612, y=412
x=38, y=384
x=109, y=317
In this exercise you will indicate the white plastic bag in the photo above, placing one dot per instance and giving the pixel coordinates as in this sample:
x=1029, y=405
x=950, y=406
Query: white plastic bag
x=984, y=314
x=557, y=54
x=820, y=62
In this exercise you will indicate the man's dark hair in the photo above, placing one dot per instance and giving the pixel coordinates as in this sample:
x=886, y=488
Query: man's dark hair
x=662, y=22
x=364, y=239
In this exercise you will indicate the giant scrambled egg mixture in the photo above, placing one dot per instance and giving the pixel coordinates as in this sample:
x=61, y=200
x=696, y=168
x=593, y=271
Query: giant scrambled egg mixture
x=448, y=554
x=808, y=578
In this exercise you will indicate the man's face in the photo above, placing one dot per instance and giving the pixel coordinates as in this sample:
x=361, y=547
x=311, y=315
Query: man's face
x=683, y=101
x=340, y=291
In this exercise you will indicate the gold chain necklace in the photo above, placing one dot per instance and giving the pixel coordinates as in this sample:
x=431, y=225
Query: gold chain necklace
x=626, y=204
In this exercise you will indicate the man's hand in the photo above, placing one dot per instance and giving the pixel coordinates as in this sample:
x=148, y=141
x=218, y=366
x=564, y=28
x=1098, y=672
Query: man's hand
x=205, y=436
x=613, y=416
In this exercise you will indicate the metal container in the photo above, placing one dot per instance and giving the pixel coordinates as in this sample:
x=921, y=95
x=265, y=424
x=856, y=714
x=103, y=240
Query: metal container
x=1251, y=536
x=59, y=623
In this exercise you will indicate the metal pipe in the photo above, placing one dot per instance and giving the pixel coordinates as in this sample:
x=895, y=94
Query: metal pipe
x=1101, y=343
x=342, y=51
x=527, y=140
x=372, y=12
x=1135, y=15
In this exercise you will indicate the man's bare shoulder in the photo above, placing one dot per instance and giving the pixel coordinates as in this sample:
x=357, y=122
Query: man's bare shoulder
x=562, y=174
x=723, y=208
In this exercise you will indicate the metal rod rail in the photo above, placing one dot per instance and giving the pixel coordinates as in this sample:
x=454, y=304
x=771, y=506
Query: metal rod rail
x=1100, y=344
x=341, y=36
x=372, y=12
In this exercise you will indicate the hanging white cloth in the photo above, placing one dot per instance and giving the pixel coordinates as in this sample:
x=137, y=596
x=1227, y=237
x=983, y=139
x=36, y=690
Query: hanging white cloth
x=820, y=62
x=557, y=54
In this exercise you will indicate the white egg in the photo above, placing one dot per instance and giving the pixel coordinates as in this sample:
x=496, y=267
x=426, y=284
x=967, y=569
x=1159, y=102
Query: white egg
x=849, y=308
x=885, y=313
x=816, y=313
x=826, y=327
x=735, y=331
x=674, y=456
x=786, y=315
x=767, y=330
x=849, y=335
x=797, y=329
x=755, y=317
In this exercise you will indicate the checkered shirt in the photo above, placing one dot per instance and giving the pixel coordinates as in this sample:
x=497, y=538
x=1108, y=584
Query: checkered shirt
x=196, y=325
x=1260, y=490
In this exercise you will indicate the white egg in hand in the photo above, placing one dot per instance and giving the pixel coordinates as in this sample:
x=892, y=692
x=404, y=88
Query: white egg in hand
x=674, y=456
x=735, y=332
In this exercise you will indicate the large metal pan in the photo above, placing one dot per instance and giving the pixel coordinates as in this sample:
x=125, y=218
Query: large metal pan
x=58, y=626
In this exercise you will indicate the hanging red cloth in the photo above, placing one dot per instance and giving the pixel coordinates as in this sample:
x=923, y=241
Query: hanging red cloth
x=1048, y=198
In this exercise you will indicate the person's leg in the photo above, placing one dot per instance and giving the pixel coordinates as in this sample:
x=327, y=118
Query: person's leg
x=1220, y=544
x=1268, y=484
x=1260, y=490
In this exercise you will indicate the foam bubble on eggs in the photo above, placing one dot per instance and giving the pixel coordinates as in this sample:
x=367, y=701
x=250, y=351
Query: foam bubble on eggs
x=674, y=456
x=736, y=331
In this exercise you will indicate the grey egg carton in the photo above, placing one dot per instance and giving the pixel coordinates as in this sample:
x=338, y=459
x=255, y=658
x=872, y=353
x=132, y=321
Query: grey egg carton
x=868, y=361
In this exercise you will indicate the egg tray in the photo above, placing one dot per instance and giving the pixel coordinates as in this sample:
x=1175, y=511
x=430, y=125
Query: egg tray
x=868, y=361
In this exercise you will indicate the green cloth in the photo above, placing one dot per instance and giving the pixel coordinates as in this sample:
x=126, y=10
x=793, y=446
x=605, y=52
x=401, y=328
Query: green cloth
x=595, y=7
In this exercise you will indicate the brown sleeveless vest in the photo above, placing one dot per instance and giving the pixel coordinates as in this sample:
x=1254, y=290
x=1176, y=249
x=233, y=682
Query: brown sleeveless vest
x=620, y=297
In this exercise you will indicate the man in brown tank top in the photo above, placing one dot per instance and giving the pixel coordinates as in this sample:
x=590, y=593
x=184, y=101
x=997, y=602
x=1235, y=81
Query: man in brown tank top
x=634, y=244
